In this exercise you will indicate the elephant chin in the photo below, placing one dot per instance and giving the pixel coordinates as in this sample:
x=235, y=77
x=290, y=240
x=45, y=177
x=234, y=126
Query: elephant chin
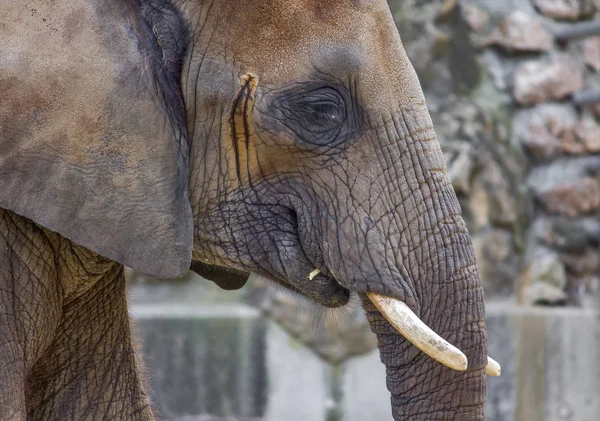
x=408, y=324
x=225, y=278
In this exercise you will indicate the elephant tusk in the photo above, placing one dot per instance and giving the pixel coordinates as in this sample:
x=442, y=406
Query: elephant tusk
x=493, y=368
x=418, y=333
x=313, y=274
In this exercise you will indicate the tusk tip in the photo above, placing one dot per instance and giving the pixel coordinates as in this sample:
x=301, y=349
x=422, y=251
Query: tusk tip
x=313, y=274
x=459, y=363
x=493, y=368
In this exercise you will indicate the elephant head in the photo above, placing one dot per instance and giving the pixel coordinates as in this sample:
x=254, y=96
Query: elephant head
x=287, y=139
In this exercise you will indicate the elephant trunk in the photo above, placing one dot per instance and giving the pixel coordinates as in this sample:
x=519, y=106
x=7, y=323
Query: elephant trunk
x=437, y=260
x=450, y=304
x=421, y=386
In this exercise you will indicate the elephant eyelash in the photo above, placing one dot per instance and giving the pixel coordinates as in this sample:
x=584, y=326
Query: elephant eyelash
x=318, y=117
x=322, y=113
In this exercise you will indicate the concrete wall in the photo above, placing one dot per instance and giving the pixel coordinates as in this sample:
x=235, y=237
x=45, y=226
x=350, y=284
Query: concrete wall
x=210, y=356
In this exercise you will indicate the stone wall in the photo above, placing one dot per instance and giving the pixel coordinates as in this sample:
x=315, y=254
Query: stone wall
x=524, y=159
x=525, y=162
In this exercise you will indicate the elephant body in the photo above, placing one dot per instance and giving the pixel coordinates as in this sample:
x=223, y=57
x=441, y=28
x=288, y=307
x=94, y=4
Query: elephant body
x=229, y=137
x=66, y=346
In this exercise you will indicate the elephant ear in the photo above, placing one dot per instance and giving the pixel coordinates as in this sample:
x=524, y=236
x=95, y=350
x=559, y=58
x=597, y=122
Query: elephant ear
x=93, y=141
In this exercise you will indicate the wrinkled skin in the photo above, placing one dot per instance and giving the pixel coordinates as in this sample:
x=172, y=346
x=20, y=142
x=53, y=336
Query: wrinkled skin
x=263, y=136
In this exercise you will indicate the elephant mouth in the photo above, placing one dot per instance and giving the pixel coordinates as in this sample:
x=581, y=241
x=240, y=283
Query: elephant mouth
x=296, y=269
x=295, y=265
x=324, y=288
x=299, y=267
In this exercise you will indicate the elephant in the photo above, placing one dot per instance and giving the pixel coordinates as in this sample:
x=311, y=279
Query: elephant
x=288, y=139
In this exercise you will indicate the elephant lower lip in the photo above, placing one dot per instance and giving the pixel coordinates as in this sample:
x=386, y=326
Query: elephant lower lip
x=326, y=290
x=322, y=288
x=332, y=297
x=331, y=293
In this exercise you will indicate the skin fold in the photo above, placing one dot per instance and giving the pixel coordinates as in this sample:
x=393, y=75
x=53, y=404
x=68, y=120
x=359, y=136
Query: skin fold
x=264, y=136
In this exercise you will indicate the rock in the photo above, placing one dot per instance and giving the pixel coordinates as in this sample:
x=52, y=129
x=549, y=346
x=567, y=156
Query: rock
x=497, y=262
x=583, y=290
x=460, y=166
x=520, y=32
x=546, y=267
x=566, y=9
x=498, y=168
x=422, y=41
x=551, y=130
x=504, y=208
x=446, y=126
x=591, y=52
x=541, y=80
x=587, y=133
x=463, y=62
x=543, y=294
x=456, y=123
x=446, y=8
x=335, y=339
x=544, y=129
x=568, y=235
x=544, y=279
x=491, y=200
x=500, y=73
x=586, y=263
x=475, y=17
x=477, y=210
x=565, y=170
x=574, y=198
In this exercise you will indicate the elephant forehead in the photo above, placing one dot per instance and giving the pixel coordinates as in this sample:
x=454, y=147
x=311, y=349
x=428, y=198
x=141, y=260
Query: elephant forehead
x=287, y=42
x=279, y=36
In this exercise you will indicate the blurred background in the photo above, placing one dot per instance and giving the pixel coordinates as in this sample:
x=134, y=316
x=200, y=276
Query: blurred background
x=513, y=87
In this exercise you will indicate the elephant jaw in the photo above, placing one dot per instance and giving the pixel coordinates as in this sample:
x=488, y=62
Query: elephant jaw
x=408, y=324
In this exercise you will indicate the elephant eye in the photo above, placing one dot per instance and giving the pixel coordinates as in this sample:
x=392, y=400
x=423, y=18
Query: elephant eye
x=322, y=110
x=319, y=115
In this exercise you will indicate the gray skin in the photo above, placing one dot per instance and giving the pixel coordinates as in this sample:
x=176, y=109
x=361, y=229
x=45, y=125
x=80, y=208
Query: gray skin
x=263, y=136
